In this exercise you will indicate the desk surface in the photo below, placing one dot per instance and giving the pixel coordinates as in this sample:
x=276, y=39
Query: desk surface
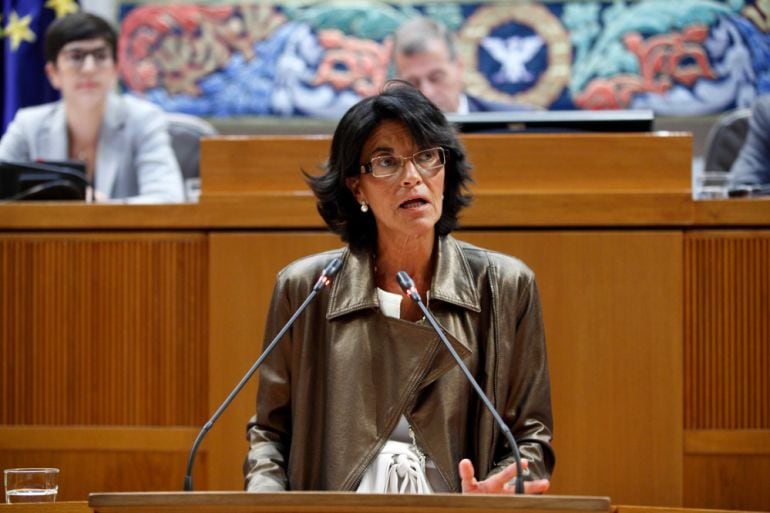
x=489, y=210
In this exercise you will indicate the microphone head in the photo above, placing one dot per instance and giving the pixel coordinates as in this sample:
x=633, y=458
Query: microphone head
x=332, y=268
x=404, y=281
x=407, y=285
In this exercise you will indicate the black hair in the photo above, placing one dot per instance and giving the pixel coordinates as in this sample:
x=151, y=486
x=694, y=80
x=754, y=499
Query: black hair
x=77, y=27
x=428, y=127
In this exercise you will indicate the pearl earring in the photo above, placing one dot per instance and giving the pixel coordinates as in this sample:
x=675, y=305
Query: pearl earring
x=364, y=207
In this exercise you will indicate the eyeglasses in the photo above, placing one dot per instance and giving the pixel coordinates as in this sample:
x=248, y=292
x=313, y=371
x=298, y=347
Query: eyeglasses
x=428, y=162
x=76, y=57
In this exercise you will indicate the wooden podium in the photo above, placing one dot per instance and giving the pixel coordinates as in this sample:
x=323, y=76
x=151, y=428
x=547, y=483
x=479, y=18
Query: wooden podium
x=337, y=502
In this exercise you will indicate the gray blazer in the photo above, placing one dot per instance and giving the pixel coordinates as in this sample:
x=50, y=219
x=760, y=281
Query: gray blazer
x=134, y=159
x=752, y=167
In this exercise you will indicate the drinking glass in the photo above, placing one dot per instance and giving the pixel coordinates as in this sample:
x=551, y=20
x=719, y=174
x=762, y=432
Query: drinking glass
x=192, y=189
x=31, y=485
x=710, y=185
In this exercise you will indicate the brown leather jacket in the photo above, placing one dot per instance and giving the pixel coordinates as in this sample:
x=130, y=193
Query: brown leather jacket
x=334, y=388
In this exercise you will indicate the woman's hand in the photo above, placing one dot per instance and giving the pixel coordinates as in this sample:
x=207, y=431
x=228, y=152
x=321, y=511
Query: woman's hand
x=500, y=482
x=95, y=196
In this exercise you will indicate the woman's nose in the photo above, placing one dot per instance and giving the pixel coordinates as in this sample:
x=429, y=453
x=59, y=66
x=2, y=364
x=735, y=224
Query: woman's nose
x=410, y=174
x=89, y=62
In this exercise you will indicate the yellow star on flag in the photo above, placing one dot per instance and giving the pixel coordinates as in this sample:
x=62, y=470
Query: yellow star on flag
x=62, y=7
x=18, y=30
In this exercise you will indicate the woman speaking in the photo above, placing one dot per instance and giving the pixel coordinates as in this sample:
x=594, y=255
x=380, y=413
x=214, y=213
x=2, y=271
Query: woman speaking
x=361, y=395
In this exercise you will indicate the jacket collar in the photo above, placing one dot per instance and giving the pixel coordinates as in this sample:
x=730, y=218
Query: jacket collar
x=354, y=288
x=52, y=137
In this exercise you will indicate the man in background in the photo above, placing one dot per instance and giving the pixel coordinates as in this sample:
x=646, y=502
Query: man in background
x=425, y=54
x=752, y=167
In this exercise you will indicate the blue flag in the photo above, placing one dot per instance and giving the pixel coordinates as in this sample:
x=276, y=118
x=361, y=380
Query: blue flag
x=22, y=61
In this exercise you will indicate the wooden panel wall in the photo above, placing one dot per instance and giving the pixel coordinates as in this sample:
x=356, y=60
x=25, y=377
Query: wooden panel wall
x=243, y=270
x=727, y=369
x=727, y=347
x=613, y=324
x=102, y=330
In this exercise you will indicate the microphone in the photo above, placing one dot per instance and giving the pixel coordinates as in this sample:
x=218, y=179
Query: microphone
x=407, y=285
x=326, y=277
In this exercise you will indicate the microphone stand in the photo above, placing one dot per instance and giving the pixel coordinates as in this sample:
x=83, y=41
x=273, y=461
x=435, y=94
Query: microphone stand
x=407, y=285
x=326, y=277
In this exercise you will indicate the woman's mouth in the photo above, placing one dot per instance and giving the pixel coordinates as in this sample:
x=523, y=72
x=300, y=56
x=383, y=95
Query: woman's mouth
x=413, y=203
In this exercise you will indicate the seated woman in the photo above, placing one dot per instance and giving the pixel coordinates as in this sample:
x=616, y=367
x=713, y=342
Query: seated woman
x=123, y=140
x=361, y=395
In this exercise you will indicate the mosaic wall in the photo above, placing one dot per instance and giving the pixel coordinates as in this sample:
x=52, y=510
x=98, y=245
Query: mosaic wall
x=677, y=57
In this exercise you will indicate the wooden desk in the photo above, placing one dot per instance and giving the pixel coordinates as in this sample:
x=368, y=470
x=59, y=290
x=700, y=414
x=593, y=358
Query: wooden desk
x=122, y=328
x=339, y=502
x=49, y=507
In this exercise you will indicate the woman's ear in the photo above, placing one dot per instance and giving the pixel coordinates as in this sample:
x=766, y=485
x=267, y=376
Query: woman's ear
x=53, y=75
x=354, y=184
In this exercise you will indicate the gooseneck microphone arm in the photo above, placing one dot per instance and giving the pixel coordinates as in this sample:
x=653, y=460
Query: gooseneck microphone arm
x=407, y=285
x=324, y=279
